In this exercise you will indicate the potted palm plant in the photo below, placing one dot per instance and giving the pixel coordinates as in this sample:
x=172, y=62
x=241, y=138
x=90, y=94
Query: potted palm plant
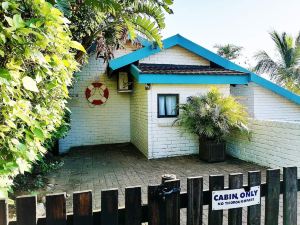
x=213, y=117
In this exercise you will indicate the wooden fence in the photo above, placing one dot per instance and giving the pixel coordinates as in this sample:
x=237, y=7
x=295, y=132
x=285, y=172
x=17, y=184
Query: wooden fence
x=165, y=202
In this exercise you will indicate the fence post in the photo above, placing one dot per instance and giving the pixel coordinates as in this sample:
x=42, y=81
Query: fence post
x=235, y=215
x=26, y=210
x=195, y=200
x=83, y=208
x=254, y=211
x=272, y=197
x=109, y=207
x=167, y=177
x=56, y=209
x=3, y=212
x=290, y=196
x=216, y=182
x=133, y=206
x=164, y=202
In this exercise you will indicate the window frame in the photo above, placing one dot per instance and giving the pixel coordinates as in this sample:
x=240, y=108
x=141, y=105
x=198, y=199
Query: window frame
x=177, y=103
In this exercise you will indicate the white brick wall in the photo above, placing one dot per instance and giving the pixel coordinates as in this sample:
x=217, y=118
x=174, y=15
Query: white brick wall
x=139, y=118
x=273, y=144
x=176, y=55
x=265, y=104
x=166, y=140
x=107, y=123
x=244, y=95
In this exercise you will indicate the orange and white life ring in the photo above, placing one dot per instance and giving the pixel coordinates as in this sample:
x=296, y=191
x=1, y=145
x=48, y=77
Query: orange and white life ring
x=96, y=93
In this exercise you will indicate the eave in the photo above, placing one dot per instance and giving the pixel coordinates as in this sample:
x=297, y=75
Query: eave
x=187, y=78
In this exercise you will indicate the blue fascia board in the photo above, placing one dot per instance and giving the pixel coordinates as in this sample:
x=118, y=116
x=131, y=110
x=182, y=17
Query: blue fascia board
x=275, y=88
x=192, y=79
x=140, y=54
x=134, y=70
x=170, y=42
x=211, y=56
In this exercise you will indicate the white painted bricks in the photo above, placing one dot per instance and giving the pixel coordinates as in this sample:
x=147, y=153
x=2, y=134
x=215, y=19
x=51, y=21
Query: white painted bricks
x=176, y=55
x=104, y=124
x=265, y=104
x=139, y=118
x=166, y=140
x=275, y=144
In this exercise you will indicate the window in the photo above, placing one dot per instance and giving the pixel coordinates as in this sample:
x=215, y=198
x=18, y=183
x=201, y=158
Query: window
x=167, y=105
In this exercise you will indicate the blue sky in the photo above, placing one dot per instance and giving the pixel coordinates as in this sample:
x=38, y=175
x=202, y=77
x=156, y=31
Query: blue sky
x=241, y=22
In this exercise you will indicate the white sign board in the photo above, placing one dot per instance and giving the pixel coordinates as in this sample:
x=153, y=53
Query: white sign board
x=235, y=198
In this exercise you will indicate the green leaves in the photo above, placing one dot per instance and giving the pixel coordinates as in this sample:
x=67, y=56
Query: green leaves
x=4, y=73
x=285, y=69
x=15, y=22
x=30, y=84
x=213, y=116
x=77, y=45
x=18, y=21
x=154, y=11
x=146, y=26
x=113, y=20
x=36, y=66
x=5, y=5
x=38, y=133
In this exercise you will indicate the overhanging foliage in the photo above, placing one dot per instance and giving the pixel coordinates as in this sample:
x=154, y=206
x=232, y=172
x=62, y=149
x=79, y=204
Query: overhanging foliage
x=36, y=67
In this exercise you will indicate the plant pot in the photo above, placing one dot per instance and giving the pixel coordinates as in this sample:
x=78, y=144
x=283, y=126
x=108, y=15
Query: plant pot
x=212, y=151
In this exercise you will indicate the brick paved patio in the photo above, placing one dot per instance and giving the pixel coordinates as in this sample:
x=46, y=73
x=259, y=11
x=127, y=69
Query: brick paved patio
x=121, y=165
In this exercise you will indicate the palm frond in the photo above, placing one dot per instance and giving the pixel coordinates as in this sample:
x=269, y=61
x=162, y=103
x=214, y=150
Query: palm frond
x=284, y=45
x=229, y=51
x=152, y=11
x=148, y=28
x=265, y=64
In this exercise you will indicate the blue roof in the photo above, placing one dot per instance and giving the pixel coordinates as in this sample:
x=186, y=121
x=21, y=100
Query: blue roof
x=150, y=49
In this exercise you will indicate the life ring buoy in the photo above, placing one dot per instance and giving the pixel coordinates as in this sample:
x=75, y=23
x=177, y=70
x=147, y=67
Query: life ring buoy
x=96, y=93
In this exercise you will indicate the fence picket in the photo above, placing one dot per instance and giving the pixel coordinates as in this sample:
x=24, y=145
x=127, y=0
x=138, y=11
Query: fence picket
x=56, y=209
x=154, y=205
x=133, y=206
x=272, y=197
x=195, y=200
x=290, y=196
x=3, y=212
x=254, y=211
x=172, y=204
x=82, y=208
x=26, y=210
x=235, y=215
x=109, y=207
x=215, y=217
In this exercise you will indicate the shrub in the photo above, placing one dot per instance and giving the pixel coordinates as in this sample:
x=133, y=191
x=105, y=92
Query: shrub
x=36, y=178
x=36, y=67
x=213, y=116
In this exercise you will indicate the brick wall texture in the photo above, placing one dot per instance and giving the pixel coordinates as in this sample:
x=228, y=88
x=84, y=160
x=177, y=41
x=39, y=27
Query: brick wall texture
x=264, y=104
x=273, y=143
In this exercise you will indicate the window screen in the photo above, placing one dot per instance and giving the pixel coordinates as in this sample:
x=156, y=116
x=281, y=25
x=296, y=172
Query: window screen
x=167, y=105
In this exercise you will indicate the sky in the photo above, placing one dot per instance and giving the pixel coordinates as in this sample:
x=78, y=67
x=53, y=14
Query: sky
x=245, y=23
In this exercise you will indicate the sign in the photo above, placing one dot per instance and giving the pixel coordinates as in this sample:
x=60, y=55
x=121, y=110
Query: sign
x=235, y=198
